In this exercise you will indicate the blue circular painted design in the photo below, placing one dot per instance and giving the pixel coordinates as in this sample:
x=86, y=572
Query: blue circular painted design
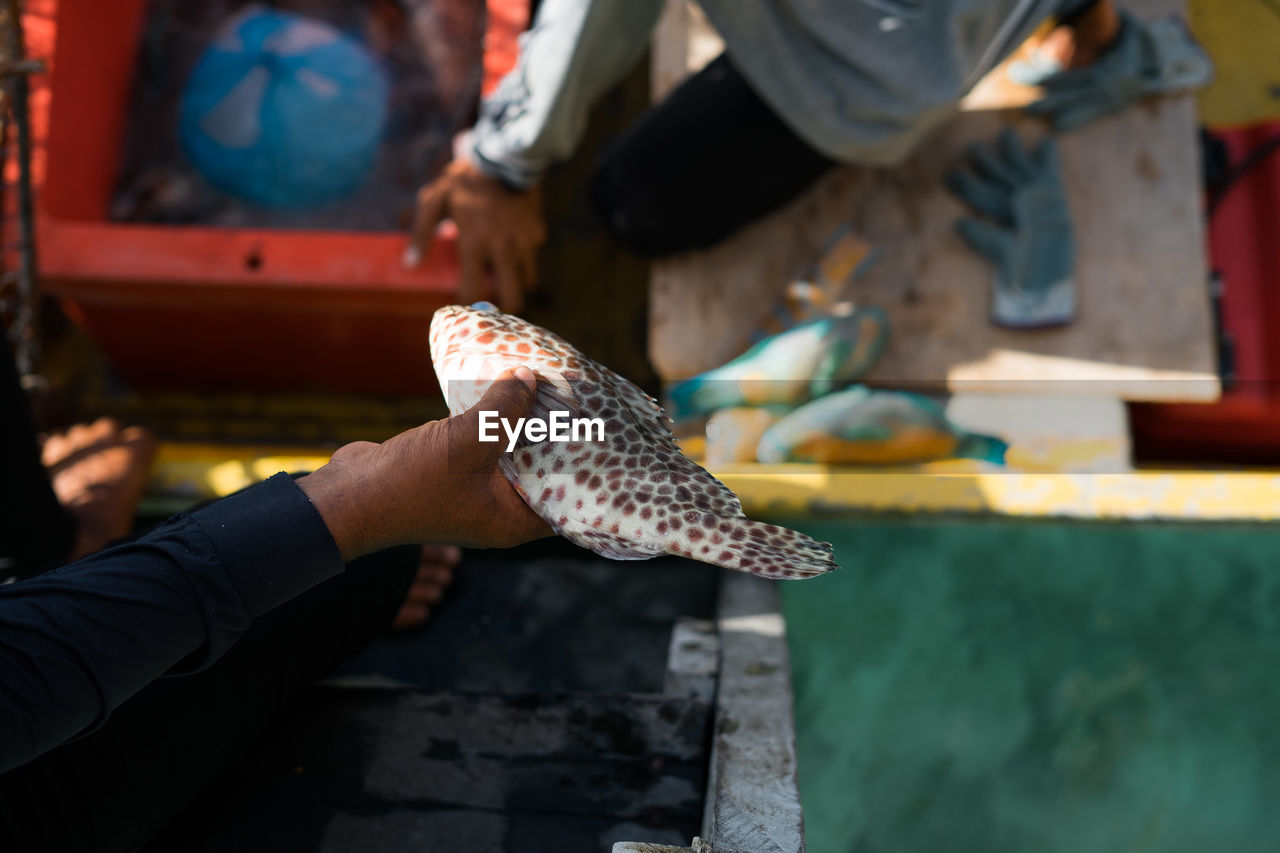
x=284, y=110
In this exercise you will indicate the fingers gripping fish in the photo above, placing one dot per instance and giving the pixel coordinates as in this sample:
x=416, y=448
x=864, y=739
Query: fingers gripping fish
x=632, y=495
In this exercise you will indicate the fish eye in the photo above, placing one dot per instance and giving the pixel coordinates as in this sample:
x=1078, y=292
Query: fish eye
x=483, y=306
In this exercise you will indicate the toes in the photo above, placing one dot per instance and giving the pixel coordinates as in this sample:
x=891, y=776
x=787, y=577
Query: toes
x=447, y=555
x=437, y=565
x=425, y=593
x=435, y=573
x=140, y=440
x=411, y=615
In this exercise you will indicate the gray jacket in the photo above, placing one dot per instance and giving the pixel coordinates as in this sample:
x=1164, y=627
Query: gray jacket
x=862, y=81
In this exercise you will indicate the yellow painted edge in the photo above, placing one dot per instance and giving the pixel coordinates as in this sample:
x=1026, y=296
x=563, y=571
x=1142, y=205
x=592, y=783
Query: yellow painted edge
x=1166, y=495
x=198, y=472
x=201, y=471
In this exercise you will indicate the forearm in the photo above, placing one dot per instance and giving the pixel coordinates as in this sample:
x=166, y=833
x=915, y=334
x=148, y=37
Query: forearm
x=574, y=52
x=77, y=642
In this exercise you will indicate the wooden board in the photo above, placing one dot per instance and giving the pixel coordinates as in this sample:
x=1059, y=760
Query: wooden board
x=1144, y=329
x=753, y=795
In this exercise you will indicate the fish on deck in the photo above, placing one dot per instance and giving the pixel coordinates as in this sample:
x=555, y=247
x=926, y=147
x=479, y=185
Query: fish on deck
x=632, y=495
x=861, y=425
x=808, y=361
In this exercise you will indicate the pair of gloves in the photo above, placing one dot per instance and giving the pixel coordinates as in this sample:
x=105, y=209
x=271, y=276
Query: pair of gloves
x=1027, y=235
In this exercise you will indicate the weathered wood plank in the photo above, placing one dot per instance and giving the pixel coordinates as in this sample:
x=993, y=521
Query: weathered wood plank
x=693, y=659
x=462, y=771
x=753, y=798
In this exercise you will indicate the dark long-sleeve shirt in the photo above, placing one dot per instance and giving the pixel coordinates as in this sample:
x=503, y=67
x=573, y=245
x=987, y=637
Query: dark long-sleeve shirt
x=77, y=642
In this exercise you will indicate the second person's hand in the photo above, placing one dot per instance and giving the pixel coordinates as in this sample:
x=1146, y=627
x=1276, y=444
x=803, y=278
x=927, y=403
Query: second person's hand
x=499, y=230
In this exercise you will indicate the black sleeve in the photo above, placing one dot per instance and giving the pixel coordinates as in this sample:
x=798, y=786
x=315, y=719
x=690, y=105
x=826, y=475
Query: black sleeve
x=78, y=641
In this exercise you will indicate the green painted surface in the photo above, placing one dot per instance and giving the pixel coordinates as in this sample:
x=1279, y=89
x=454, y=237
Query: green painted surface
x=995, y=686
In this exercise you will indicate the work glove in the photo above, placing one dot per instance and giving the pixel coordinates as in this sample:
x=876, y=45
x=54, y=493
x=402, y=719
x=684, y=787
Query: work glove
x=1030, y=241
x=1145, y=60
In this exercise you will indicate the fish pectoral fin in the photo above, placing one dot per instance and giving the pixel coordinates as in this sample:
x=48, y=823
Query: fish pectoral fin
x=554, y=394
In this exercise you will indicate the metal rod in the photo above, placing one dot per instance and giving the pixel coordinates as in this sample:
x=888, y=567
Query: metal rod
x=26, y=322
x=21, y=66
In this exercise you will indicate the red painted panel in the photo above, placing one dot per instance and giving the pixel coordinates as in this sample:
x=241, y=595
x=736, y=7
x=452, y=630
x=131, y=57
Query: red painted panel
x=1244, y=247
x=194, y=307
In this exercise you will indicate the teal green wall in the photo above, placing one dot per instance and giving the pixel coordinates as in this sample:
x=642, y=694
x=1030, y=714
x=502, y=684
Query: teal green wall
x=994, y=687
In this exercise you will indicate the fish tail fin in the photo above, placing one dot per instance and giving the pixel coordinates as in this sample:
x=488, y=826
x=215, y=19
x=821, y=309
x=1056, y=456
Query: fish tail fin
x=988, y=448
x=766, y=550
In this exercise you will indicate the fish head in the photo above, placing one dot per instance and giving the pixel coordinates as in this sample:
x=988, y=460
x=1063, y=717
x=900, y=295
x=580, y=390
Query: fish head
x=473, y=345
x=851, y=344
x=454, y=324
x=465, y=362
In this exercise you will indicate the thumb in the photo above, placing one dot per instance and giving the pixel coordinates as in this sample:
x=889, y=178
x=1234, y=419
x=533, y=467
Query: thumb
x=510, y=397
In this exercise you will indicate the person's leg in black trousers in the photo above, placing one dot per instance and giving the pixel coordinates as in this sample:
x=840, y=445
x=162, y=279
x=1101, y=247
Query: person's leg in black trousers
x=707, y=160
x=117, y=787
x=120, y=785
x=36, y=533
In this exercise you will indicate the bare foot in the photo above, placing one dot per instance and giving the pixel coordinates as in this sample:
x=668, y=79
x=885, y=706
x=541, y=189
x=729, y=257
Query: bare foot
x=99, y=471
x=434, y=574
x=1085, y=39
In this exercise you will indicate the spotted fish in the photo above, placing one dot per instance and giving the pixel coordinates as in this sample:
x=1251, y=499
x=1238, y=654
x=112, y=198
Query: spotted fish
x=632, y=495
